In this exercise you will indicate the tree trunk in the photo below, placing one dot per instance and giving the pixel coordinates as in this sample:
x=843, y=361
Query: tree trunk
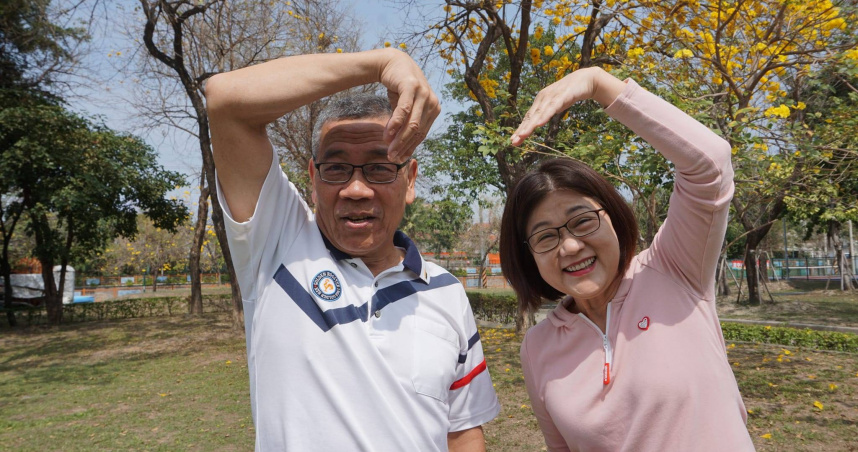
x=195, y=303
x=6, y=269
x=833, y=238
x=523, y=322
x=721, y=282
x=53, y=298
x=7, y=228
x=751, y=272
x=194, y=90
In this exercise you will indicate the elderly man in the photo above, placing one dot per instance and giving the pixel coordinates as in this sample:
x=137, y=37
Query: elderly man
x=354, y=342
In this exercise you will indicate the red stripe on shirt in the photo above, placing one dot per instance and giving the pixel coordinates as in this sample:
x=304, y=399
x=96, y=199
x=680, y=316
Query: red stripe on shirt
x=467, y=378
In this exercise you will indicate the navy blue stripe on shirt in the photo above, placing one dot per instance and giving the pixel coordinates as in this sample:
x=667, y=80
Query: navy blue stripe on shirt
x=403, y=289
x=473, y=340
x=324, y=319
x=327, y=319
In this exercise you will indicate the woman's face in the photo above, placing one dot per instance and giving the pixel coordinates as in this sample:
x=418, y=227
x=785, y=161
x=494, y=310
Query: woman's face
x=583, y=267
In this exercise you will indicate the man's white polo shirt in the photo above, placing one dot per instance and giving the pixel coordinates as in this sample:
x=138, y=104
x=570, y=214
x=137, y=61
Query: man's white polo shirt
x=341, y=360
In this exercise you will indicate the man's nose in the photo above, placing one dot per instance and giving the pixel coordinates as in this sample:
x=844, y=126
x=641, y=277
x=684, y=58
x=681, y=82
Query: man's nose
x=357, y=187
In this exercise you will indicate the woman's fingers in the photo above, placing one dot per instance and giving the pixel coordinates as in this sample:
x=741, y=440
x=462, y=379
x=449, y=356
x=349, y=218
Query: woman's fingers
x=543, y=108
x=556, y=98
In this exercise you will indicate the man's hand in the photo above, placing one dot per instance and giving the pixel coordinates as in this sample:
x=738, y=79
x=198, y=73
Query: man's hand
x=415, y=106
x=470, y=440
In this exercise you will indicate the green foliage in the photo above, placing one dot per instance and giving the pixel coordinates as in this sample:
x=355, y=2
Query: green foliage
x=500, y=306
x=81, y=183
x=31, y=45
x=436, y=226
x=822, y=340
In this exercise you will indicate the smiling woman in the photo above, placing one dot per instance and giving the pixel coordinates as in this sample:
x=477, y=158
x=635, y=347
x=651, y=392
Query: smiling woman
x=633, y=357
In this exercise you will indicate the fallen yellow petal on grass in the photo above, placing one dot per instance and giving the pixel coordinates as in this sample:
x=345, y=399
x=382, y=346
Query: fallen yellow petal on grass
x=766, y=436
x=818, y=404
x=832, y=386
x=163, y=395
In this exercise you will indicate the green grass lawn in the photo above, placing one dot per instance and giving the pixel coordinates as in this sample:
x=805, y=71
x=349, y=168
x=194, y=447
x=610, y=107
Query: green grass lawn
x=179, y=383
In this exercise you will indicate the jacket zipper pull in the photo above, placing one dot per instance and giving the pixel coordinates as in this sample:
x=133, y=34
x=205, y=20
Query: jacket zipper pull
x=606, y=375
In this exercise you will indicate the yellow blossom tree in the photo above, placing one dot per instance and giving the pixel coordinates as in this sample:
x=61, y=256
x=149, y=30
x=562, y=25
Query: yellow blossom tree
x=749, y=60
x=733, y=64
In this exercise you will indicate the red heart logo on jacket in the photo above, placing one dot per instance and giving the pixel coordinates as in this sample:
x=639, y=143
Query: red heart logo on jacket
x=644, y=323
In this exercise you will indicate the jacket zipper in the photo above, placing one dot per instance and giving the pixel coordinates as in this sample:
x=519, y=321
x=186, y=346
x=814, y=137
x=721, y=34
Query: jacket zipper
x=606, y=344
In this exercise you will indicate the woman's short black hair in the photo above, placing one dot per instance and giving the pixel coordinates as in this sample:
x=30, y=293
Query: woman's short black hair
x=517, y=262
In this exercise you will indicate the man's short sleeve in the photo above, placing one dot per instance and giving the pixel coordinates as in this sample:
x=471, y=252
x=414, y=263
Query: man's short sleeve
x=473, y=401
x=278, y=217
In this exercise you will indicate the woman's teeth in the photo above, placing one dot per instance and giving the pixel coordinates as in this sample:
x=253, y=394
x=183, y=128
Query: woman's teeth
x=581, y=265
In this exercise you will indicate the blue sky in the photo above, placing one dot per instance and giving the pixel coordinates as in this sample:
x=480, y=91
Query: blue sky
x=107, y=91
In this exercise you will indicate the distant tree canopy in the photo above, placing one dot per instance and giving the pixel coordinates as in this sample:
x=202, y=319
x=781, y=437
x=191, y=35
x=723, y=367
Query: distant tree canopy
x=80, y=184
x=436, y=226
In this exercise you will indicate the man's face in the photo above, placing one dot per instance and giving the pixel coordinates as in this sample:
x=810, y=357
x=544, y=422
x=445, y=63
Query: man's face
x=357, y=216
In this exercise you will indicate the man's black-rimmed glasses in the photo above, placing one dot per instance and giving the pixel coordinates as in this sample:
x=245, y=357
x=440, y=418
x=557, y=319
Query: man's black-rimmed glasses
x=580, y=225
x=376, y=173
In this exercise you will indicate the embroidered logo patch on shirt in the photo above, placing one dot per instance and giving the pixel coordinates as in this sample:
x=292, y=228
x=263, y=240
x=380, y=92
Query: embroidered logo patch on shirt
x=644, y=323
x=326, y=286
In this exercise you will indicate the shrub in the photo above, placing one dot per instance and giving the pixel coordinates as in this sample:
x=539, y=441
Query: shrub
x=124, y=309
x=494, y=306
x=822, y=340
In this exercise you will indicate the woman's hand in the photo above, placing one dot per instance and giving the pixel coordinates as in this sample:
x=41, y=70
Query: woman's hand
x=583, y=84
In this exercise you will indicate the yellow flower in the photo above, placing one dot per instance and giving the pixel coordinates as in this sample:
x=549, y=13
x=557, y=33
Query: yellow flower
x=635, y=52
x=750, y=411
x=403, y=46
x=684, y=53
x=787, y=352
x=548, y=51
x=818, y=405
x=800, y=106
x=832, y=386
x=228, y=363
x=781, y=110
x=766, y=436
x=387, y=44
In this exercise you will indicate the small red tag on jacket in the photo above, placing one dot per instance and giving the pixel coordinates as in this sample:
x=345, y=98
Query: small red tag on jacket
x=644, y=323
x=606, y=376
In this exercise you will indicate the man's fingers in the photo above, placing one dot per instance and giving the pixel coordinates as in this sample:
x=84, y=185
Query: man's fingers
x=412, y=130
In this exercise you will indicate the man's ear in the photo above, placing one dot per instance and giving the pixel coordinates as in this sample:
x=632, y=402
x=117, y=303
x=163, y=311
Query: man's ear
x=411, y=172
x=311, y=170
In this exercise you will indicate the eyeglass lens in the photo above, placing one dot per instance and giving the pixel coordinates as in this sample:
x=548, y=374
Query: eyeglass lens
x=579, y=226
x=373, y=172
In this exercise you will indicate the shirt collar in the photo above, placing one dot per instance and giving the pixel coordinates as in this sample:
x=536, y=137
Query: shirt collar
x=413, y=260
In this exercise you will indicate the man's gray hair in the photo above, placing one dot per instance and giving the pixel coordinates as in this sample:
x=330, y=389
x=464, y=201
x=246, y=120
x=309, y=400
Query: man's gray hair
x=351, y=107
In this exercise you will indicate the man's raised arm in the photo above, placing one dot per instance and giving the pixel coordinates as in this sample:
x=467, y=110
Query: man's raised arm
x=241, y=103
